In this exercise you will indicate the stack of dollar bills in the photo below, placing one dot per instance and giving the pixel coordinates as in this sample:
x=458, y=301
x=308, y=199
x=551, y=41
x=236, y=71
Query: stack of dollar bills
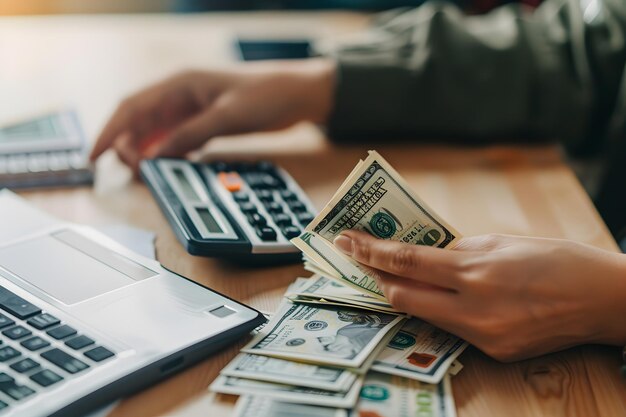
x=336, y=347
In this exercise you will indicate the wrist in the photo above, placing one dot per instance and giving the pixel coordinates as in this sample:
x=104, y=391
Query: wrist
x=320, y=76
x=610, y=320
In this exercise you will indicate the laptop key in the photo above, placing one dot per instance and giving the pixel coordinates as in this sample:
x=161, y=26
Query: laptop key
x=17, y=305
x=61, y=332
x=16, y=332
x=79, y=342
x=64, y=361
x=99, y=354
x=17, y=392
x=46, y=378
x=5, y=321
x=42, y=321
x=24, y=365
x=10, y=388
x=8, y=353
x=35, y=343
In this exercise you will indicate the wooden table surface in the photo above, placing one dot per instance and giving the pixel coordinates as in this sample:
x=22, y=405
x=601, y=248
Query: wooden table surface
x=92, y=62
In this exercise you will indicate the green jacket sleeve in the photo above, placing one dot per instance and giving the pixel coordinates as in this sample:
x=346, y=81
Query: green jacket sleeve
x=429, y=72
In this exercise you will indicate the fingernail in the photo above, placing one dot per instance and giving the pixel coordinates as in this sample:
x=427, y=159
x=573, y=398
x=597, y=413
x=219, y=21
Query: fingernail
x=344, y=244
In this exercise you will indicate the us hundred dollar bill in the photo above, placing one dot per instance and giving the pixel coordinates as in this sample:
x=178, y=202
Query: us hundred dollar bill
x=259, y=406
x=375, y=199
x=380, y=396
x=287, y=393
x=333, y=336
x=265, y=368
x=420, y=351
x=322, y=290
x=393, y=396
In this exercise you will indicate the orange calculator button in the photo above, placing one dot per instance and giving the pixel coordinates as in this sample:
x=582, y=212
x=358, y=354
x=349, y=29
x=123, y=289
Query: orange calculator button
x=231, y=181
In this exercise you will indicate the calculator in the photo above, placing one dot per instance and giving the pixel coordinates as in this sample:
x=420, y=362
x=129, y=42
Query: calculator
x=247, y=211
x=48, y=150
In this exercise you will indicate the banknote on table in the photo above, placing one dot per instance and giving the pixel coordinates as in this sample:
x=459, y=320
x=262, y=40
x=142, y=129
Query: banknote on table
x=266, y=368
x=393, y=396
x=381, y=396
x=288, y=393
x=419, y=351
x=376, y=199
x=333, y=336
x=256, y=406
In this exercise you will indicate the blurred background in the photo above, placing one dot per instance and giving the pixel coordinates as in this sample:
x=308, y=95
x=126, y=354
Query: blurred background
x=16, y=7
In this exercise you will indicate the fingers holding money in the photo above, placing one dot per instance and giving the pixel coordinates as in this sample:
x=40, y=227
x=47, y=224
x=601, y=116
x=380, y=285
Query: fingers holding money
x=432, y=266
x=419, y=300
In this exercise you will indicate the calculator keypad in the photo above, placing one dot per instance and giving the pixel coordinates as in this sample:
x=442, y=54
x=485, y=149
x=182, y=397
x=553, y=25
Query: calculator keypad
x=270, y=206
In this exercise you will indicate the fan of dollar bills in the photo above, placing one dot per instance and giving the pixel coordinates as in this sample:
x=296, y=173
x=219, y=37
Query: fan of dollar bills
x=336, y=347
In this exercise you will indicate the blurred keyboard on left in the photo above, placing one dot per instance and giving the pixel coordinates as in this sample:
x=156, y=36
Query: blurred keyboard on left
x=49, y=150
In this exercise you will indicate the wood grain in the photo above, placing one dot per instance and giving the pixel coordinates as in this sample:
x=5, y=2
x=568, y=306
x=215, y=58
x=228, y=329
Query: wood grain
x=518, y=190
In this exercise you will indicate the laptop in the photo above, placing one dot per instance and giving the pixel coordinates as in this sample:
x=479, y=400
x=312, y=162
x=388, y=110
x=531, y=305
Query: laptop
x=83, y=320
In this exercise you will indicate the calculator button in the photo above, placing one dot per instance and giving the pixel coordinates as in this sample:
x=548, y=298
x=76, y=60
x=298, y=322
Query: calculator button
x=5, y=321
x=16, y=332
x=242, y=166
x=17, y=306
x=64, y=361
x=98, y=354
x=46, y=378
x=255, y=219
x=8, y=353
x=290, y=232
x=43, y=321
x=265, y=166
x=231, y=181
x=305, y=218
x=241, y=197
x=58, y=162
x=24, y=365
x=288, y=195
x=262, y=181
x=77, y=160
x=296, y=206
x=266, y=233
x=17, y=164
x=274, y=207
x=265, y=195
x=247, y=208
x=37, y=163
x=220, y=166
x=61, y=332
x=282, y=219
x=35, y=343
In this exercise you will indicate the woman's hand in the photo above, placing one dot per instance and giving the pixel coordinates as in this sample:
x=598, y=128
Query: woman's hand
x=181, y=113
x=512, y=297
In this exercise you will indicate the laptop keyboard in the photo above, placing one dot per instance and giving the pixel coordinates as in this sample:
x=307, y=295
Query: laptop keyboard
x=38, y=351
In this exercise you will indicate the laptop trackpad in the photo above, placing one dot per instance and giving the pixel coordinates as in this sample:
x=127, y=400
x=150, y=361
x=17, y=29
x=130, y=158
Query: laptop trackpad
x=70, y=267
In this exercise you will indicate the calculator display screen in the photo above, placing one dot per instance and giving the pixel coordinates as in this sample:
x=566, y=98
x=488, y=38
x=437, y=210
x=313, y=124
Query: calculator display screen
x=209, y=221
x=34, y=130
x=185, y=185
